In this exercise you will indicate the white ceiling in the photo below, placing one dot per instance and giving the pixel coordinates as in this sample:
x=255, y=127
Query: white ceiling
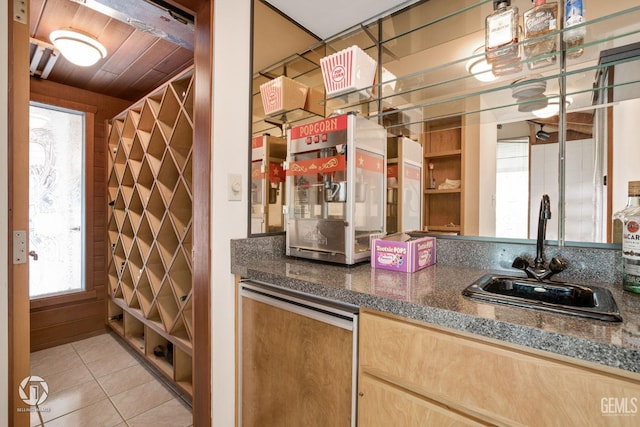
x=328, y=18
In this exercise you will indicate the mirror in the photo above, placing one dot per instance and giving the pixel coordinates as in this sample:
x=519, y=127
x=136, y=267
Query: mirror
x=523, y=162
x=503, y=161
x=521, y=165
x=276, y=40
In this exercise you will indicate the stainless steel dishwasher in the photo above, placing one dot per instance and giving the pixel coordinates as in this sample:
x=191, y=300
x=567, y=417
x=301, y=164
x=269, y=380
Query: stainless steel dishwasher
x=297, y=358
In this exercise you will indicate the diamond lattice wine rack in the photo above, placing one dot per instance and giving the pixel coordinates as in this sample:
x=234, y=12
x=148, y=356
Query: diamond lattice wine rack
x=149, y=227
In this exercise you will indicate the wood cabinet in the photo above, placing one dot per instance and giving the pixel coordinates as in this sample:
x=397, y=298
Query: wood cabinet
x=384, y=404
x=296, y=363
x=413, y=374
x=443, y=142
x=149, y=227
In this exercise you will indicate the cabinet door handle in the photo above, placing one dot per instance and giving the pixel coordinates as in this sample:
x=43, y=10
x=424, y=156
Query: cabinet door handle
x=33, y=254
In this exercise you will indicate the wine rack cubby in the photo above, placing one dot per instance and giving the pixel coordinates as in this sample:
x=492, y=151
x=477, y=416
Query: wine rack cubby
x=149, y=186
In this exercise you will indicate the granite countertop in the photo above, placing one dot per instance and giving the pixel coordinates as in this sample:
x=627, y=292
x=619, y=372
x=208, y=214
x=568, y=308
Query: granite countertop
x=433, y=295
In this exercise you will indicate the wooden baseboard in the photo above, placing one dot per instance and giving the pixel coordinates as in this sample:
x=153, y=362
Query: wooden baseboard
x=59, y=337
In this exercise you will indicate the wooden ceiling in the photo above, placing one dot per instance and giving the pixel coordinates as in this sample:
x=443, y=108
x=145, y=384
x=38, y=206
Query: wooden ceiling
x=136, y=62
x=579, y=126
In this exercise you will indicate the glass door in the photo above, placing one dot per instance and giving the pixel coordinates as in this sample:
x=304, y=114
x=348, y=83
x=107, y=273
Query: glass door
x=56, y=196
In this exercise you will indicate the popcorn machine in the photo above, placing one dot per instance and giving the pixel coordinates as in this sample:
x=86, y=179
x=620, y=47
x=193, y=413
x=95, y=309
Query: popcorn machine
x=335, y=181
x=404, y=185
x=268, y=153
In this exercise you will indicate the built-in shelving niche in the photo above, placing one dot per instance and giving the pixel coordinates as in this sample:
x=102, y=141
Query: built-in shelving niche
x=149, y=228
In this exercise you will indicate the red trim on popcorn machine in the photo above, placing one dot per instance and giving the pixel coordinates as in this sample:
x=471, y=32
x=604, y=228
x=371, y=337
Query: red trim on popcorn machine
x=256, y=171
x=316, y=166
x=369, y=162
x=412, y=173
x=276, y=173
x=257, y=141
x=332, y=124
x=392, y=171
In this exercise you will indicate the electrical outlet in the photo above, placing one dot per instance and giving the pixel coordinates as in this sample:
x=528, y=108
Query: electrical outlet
x=234, y=187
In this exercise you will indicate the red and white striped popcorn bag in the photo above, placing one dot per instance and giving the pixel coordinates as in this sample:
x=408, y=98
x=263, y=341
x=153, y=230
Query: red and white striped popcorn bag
x=348, y=70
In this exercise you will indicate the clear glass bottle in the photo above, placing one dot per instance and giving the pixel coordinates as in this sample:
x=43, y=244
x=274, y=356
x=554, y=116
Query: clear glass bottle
x=538, y=21
x=574, y=15
x=631, y=251
x=501, y=38
x=633, y=202
x=631, y=242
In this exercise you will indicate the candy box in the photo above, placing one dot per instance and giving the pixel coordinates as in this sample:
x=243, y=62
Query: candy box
x=406, y=252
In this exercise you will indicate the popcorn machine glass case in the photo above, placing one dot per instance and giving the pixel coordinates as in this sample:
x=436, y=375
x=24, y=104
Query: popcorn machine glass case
x=335, y=176
x=404, y=185
x=268, y=153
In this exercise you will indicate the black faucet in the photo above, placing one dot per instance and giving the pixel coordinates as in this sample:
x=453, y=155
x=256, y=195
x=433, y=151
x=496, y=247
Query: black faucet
x=538, y=270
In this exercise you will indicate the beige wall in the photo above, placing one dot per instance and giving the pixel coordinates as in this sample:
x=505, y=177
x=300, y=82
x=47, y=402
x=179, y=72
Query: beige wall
x=230, y=148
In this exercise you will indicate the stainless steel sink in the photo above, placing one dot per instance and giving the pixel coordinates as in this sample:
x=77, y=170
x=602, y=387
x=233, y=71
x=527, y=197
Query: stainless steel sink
x=585, y=301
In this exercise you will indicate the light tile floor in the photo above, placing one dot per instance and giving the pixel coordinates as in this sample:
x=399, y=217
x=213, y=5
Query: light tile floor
x=100, y=382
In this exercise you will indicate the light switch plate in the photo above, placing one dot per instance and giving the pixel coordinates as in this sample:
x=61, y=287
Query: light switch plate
x=19, y=247
x=234, y=187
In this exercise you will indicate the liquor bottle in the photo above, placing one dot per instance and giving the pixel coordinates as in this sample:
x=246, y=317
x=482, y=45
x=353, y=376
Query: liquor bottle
x=631, y=251
x=432, y=180
x=633, y=202
x=501, y=38
x=574, y=15
x=538, y=21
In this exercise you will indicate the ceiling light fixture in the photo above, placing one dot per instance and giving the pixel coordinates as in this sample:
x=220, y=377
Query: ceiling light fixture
x=542, y=135
x=528, y=87
x=552, y=108
x=77, y=47
x=478, y=66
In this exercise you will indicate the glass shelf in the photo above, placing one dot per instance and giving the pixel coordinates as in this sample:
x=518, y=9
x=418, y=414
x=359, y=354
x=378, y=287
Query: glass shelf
x=422, y=53
x=298, y=67
x=405, y=30
x=436, y=77
x=443, y=87
x=273, y=125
